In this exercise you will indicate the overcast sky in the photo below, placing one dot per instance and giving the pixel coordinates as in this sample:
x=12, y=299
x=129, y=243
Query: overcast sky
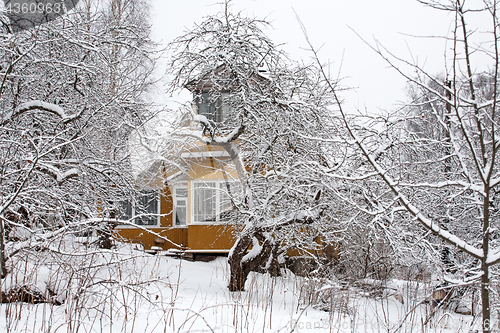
x=334, y=25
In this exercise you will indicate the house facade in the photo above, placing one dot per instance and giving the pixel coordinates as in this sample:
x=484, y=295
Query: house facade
x=193, y=208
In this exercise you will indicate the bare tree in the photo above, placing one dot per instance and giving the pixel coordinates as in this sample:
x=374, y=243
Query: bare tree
x=64, y=126
x=447, y=183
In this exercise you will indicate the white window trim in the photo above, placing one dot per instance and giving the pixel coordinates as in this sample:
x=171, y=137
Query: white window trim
x=217, y=202
x=174, y=205
x=135, y=226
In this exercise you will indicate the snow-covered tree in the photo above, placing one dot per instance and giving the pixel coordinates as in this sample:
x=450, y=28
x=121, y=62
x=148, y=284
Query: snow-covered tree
x=275, y=106
x=71, y=90
x=441, y=170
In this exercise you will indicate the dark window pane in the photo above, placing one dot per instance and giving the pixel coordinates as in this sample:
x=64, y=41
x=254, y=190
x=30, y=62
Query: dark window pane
x=180, y=216
x=147, y=204
x=207, y=107
x=125, y=210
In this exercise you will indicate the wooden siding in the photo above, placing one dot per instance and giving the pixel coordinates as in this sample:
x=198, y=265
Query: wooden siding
x=134, y=235
x=194, y=237
x=176, y=235
x=210, y=237
x=213, y=169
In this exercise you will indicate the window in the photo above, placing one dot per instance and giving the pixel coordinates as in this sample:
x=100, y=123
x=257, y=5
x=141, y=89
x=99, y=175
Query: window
x=180, y=205
x=144, y=209
x=207, y=107
x=126, y=210
x=212, y=201
x=147, y=208
x=215, y=109
x=225, y=107
x=205, y=202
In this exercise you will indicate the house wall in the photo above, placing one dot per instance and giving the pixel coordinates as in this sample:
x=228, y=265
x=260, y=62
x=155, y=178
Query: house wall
x=212, y=237
x=196, y=237
x=134, y=235
x=216, y=237
x=213, y=169
x=176, y=235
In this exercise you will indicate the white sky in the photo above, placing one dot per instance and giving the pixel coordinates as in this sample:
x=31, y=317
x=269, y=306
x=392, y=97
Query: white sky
x=395, y=23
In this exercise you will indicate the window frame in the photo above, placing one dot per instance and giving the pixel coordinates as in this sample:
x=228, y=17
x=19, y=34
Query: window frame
x=220, y=105
x=219, y=193
x=133, y=219
x=174, y=204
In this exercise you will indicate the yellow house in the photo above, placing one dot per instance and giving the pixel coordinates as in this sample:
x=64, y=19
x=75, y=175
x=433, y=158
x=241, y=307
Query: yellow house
x=191, y=209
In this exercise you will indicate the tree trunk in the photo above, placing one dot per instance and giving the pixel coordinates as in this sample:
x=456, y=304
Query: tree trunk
x=266, y=261
x=238, y=278
x=485, y=279
x=238, y=275
x=3, y=267
x=485, y=298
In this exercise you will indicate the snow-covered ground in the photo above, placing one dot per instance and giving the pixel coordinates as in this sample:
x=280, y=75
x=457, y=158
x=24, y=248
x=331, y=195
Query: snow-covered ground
x=145, y=293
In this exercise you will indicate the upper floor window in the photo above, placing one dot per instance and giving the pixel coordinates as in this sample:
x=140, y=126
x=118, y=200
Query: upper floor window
x=214, y=108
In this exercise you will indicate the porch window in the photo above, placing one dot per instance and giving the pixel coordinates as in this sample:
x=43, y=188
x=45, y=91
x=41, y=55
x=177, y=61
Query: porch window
x=212, y=201
x=205, y=202
x=143, y=210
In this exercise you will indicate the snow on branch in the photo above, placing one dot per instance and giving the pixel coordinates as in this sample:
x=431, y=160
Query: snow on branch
x=201, y=119
x=493, y=258
x=449, y=183
x=57, y=174
x=231, y=136
x=235, y=133
x=304, y=216
x=39, y=105
x=254, y=252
